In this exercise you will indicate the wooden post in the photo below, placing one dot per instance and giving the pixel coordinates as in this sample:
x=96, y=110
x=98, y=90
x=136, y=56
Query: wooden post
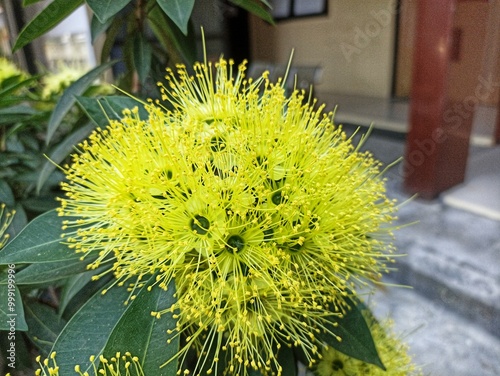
x=440, y=121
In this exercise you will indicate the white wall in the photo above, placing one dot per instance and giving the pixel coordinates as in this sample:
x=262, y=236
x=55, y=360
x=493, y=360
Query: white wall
x=354, y=45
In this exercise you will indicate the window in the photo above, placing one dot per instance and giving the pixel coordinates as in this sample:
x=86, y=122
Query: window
x=286, y=9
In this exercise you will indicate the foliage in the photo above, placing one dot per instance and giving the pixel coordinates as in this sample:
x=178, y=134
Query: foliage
x=218, y=242
x=154, y=33
x=29, y=182
x=84, y=311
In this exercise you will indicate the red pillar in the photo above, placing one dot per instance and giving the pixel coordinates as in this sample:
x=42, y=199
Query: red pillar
x=497, y=131
x=440, y=124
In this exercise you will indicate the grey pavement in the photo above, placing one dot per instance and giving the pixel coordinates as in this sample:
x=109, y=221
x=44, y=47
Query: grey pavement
x=451, y=315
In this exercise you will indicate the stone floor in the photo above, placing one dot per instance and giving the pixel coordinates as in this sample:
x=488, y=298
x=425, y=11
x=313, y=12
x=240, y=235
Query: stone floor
x=393, y=113
x=451, y=315
x=449, y=311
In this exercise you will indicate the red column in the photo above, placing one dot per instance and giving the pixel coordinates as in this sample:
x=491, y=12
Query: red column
x=440, y=124
x=497, y=131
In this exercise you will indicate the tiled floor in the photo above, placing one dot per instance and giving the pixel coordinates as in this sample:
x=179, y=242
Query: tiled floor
x=392, y=114
x=451, y=315
x=480, y=193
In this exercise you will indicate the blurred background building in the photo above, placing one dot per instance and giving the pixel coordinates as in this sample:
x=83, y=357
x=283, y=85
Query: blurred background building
x=426, y=74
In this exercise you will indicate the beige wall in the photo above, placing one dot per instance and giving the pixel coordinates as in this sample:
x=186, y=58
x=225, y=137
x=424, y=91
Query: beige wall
x=406, y=40
x=471, y=18
x=354, y=45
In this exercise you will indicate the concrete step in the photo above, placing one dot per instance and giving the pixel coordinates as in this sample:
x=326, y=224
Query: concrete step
x=452, y=261
x=441, y=341
x=453, y=258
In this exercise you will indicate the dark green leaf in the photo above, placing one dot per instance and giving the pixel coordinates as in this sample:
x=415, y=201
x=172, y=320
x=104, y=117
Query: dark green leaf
x=44, y=325
x=73, y=286
x=42, y=274
x=39, y=241
x=127, y=80
x=47, y=19
x=30, y=2
x=286, y=359
x=13, y=84
x=102, y=110
x=19, y=221
x=97, y=27
x=41, y=204
x=105, y=9
x=11, y=308
x=252, y=372
x=67, y=100
x=61, y=152
x=88, y=331
x=111, y=34
x=6, y=195
x=256, y=8
x=142, y=56
x=84, y=294
x=181, y=48
x=9, y=82
x=146, y=336
x=357, y=341
x=178, y=11
x=16, y=113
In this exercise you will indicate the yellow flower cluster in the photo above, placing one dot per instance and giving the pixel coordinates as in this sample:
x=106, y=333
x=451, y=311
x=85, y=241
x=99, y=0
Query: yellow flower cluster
x=54, y=83
x=9, y=69
x=119, y=365
x=258, y=207
x=5, y=221
x=392, y=351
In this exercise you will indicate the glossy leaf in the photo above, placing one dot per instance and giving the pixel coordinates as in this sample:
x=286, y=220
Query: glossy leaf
x=46, y=20
x=73, y=286
x=39, y=241
x=45, y=273
x=19, y=221
x=63, y=149
x=178, y=11
x=87, y=332
x=357, y=341
x=256, y=8
x=97, y=27
x=44, y=325
x=30, y=2
x=42, y=203
x=105, y=9
x=143, y=53
x=286, y=359
x=6, y=195
x=252, y=372
x=67, y=100
x=16, y=113
x=13, y=313
x=102, y=110
x=15, y=83
x=111, y=35
x=146, y=336
x=181, y=48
